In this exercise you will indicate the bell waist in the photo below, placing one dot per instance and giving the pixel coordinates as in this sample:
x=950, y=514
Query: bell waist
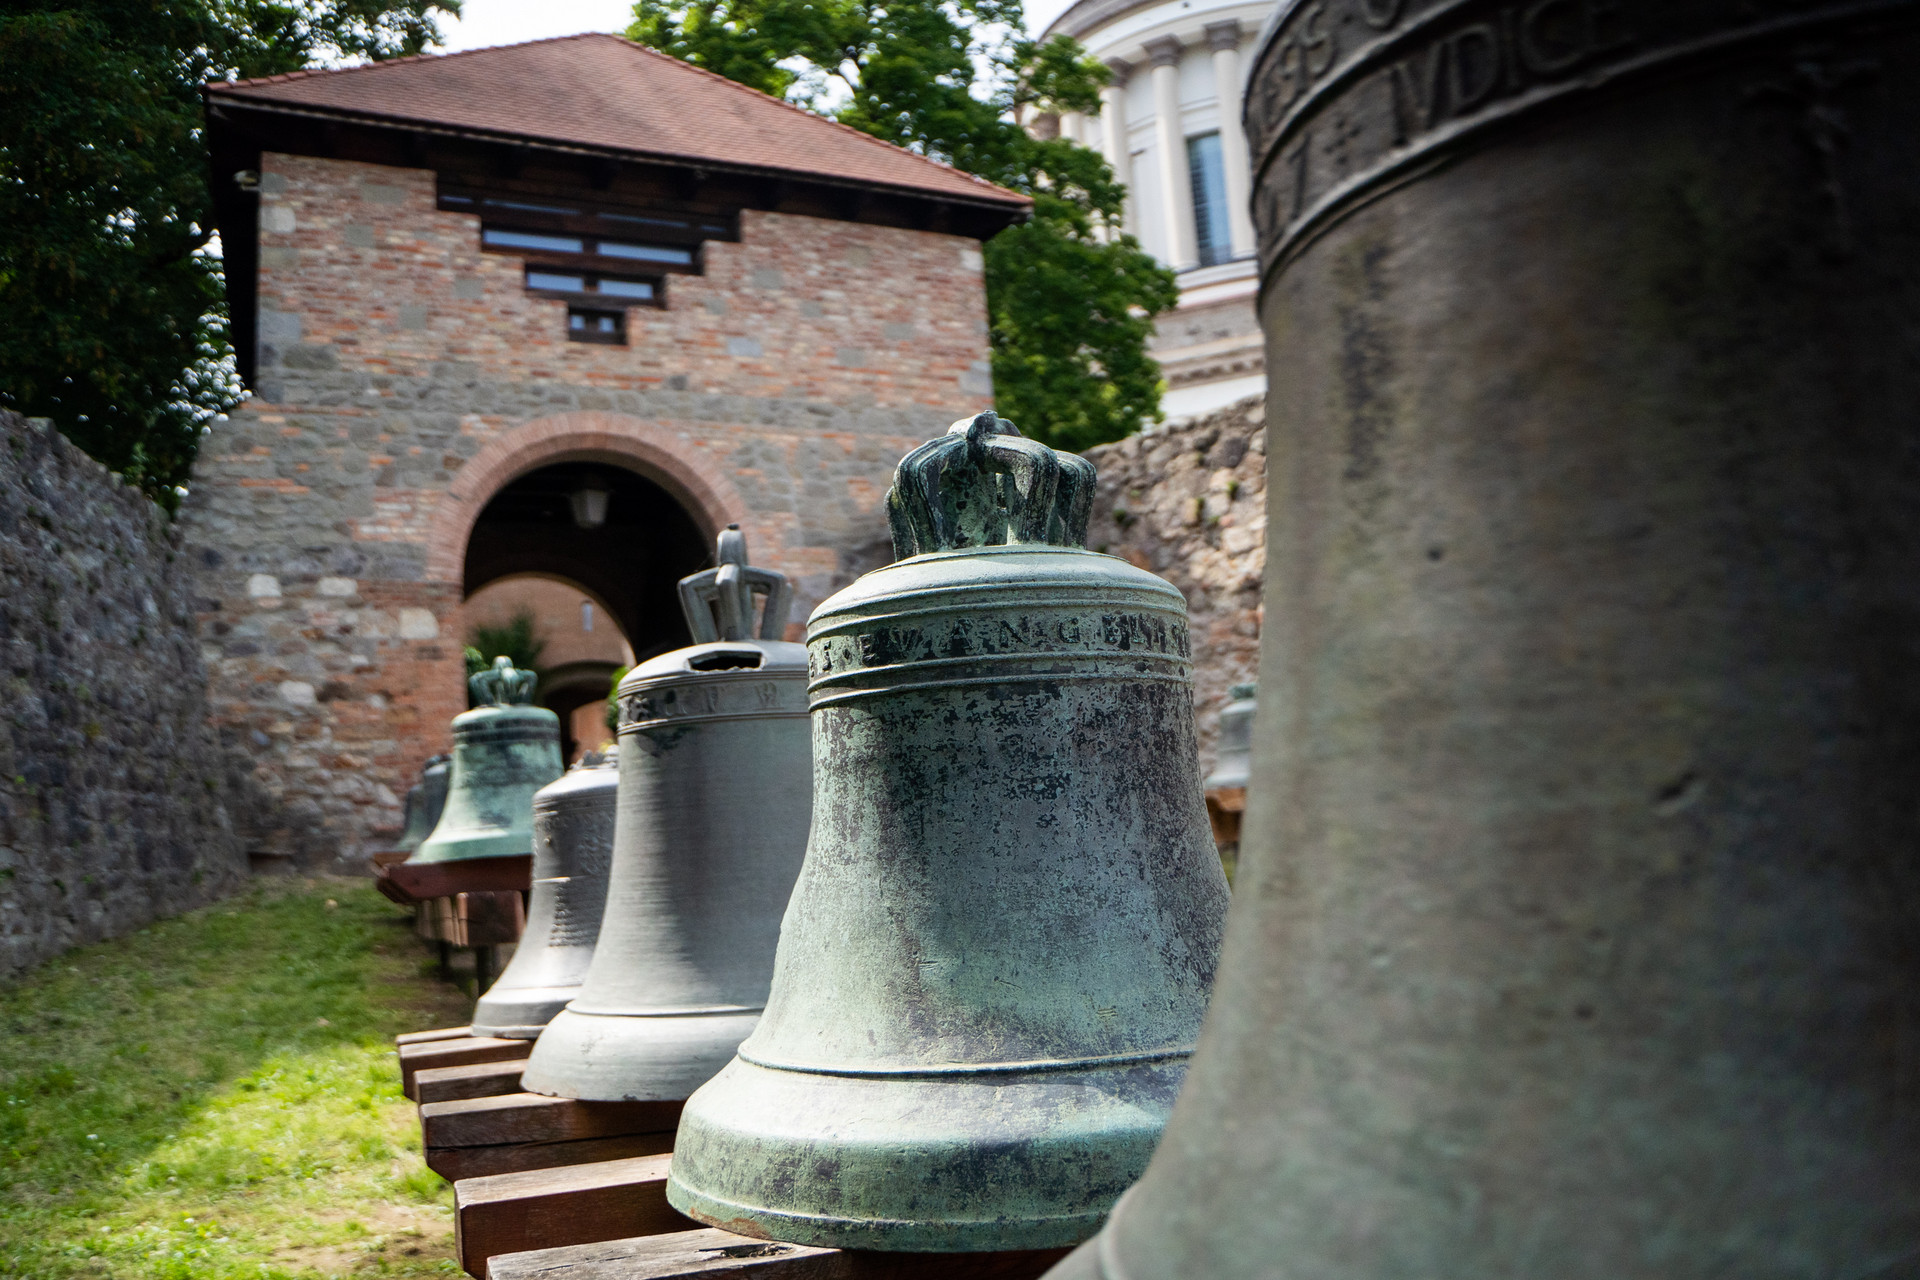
x=947, y=1069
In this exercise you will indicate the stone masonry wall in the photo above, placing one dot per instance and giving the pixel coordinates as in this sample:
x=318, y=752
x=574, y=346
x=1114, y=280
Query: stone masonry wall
x=405, y=376
x=118, y=804
x=1188, y=501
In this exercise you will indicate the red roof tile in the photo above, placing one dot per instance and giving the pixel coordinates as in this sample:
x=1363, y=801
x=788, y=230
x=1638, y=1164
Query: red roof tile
x=607, y=93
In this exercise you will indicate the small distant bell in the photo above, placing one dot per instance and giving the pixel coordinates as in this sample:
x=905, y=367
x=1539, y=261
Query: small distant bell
x=503, y=752
x=425, y=800
x=715, y=793
x=572, y=854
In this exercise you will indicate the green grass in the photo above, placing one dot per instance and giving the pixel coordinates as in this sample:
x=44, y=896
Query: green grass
x=216, y=1097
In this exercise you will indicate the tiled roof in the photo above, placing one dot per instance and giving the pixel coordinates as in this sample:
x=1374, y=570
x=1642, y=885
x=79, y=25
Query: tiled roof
x=607, y=93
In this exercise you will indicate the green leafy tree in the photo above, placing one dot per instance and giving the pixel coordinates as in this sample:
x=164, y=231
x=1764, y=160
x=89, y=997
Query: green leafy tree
x=518, y=639
x=112, y=317
x=1070, y=299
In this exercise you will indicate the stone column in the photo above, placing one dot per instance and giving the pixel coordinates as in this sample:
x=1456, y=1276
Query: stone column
x=1182, y=249
x=1072, y=126
x=1113, y=128
x=1224, y=39
x=1577, y=924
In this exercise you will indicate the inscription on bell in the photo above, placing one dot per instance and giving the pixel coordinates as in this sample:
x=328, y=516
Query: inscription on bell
x=1348, y=94
x=1032, y=634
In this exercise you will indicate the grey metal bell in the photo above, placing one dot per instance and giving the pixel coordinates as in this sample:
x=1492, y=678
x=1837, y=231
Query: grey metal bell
x=1575, y=931
x=997, y=955
x=572, y=853
x=425, y=801
x=1236, y=739
x=716, y=788
x=503, y=752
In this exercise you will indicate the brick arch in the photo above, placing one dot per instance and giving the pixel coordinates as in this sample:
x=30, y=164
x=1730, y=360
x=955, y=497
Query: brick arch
x=588, y=435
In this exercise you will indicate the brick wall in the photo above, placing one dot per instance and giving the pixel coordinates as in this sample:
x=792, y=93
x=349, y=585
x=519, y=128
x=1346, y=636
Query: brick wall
x=404, y=376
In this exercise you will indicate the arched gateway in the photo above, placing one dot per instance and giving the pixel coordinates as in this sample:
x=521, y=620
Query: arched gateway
x=458, y=308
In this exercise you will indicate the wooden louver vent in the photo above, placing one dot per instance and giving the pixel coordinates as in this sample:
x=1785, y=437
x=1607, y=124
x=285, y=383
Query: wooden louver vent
x=599, y=258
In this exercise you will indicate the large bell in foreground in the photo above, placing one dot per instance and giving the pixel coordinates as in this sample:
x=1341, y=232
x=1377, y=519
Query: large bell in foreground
x=999, y=950
x=572, y=853
x=716, y=787
x=503, y=752
x=1575, y=932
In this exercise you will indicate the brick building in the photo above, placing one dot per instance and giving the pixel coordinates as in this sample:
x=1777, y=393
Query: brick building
x=561, y=309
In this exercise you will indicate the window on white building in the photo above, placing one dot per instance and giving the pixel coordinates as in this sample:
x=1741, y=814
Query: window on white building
x=1209, y=182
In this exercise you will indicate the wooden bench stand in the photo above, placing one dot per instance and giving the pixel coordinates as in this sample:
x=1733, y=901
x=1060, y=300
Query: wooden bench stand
x=514, y=1132
x=578, y=1204
x=709, y=1254
x=458, y=1052
x=560, y=1189
x=474, y=1080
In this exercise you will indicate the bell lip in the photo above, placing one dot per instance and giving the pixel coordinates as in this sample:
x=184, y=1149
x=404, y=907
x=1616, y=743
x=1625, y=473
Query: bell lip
x=778, y=657
x=891, y=1235
x=511, y=1014
x=691, y=1011
x=508, y=1031
x=951, y=1070
x=641, y=1062
x=940, y=1136
x=483, y=851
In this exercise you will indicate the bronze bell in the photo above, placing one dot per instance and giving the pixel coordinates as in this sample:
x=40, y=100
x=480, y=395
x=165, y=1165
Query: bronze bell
x=716, y=787
x=503, y=752
x=424, y=801
x=572, y=853
x=999, y=949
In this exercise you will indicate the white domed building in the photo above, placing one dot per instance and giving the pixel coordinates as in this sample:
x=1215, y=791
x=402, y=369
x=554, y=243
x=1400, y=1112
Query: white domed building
x=1170, y=127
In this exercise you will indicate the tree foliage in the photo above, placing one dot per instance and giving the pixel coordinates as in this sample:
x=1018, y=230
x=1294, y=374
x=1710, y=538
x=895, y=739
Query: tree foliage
x=112, y=318
x=517, y=639
x=1071, y=300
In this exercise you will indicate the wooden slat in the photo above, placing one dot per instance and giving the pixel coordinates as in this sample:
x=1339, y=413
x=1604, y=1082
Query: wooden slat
x=422, y=880
x=709, y=1254
x=427, y=1037
x=474, y=1080
x=454, y=1053
x=534, y=1117
x=578, y=1204
x=458, y=1163
x=490, y=918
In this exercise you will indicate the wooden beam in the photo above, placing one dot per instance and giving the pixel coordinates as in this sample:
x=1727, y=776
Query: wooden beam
x=711, y=1254
x=457, y=1164
x=427, y=1037
x=454, y=1053
x=474, y=1080
x=420, y=881
x=534, y=1117
x=544, y=1208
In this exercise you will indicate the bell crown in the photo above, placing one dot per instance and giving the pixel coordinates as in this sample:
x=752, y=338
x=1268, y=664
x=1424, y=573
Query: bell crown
x=718, y=602
x=983, y=484
x=503, y=684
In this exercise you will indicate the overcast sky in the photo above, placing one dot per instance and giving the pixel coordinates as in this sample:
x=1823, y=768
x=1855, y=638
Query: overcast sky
x=490, y=22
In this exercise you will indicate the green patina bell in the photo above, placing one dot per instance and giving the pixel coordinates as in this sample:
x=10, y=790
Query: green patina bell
x=1003, y=937
x=503, y=752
